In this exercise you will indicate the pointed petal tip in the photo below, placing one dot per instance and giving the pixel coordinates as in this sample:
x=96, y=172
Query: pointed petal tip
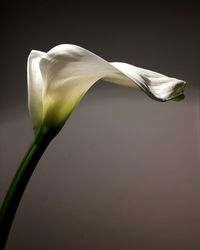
x=177, y=93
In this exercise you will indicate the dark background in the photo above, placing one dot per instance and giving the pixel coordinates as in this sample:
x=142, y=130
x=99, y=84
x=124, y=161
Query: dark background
x=124, y=171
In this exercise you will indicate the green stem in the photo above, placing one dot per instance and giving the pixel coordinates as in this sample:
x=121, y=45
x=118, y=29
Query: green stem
x=19, y=182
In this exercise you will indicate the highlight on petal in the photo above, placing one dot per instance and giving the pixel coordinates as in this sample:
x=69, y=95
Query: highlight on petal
x=156, y=85
x=35, y=87
x=67, y=71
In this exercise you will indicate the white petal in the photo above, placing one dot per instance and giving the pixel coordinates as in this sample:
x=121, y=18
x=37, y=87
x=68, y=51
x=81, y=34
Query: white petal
x=68, y=71
x=156, y=85
x=35, y=87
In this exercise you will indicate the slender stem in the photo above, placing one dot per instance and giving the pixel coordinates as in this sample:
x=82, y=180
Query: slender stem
x=19, y=182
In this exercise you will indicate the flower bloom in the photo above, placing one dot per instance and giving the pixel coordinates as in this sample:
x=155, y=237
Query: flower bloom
x=58, y=79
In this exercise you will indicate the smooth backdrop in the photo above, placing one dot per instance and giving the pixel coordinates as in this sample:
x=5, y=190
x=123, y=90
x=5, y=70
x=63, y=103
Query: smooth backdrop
x=124, y=172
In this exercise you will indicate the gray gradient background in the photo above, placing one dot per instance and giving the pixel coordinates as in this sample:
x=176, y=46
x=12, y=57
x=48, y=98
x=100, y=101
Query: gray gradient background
x=124, y=172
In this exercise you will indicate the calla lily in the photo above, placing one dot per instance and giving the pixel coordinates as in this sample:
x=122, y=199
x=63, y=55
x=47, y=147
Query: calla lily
x=58, y=79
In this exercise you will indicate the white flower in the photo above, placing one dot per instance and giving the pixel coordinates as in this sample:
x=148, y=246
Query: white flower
x=58, y=79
